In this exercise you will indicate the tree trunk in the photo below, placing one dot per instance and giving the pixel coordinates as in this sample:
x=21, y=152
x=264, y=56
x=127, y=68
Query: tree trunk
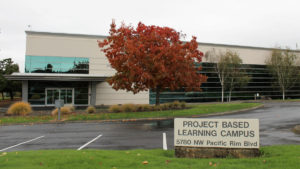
x=231, y=88
x=11, y=95
x=157, y=102
x=222, y=93
x=283, y=94
x=2, y=95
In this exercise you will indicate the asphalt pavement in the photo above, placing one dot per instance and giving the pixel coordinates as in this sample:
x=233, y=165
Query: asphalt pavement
x=276, y=121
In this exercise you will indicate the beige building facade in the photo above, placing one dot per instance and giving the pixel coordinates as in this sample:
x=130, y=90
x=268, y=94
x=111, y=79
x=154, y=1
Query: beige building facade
x=71, y=66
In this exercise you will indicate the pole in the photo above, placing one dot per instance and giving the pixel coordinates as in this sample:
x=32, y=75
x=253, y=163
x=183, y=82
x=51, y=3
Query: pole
x=58, y=113
x=165, y=147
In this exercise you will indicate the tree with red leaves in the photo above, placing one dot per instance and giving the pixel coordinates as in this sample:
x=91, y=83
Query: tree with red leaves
x=152, y=57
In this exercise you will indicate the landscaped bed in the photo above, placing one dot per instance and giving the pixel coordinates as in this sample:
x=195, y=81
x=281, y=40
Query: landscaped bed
x=275, y=157
x=191, y=111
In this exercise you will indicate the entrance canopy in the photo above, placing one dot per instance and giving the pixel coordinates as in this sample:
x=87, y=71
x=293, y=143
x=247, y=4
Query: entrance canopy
x=55, y=77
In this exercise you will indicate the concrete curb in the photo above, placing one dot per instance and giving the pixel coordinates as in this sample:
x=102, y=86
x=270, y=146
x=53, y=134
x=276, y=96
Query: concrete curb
x=141, y=119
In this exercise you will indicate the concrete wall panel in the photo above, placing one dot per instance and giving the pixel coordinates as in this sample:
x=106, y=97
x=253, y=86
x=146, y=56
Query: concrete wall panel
x=108, y=96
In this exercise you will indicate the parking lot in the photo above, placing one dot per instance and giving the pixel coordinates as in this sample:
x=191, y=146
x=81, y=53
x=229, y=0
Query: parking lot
x=81, y=135
x=276, y=121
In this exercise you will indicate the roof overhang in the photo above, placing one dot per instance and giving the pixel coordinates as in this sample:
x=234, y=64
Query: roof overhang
x=55, y=77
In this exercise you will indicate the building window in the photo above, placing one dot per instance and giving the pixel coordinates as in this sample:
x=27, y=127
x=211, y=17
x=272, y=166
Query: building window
x=38, y=90
x=261, y=82
x=54, y=64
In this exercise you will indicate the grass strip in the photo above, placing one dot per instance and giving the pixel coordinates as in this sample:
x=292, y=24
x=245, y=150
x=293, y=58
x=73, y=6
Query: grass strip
x=194, y=110
x=275, y=157
x=25, y=119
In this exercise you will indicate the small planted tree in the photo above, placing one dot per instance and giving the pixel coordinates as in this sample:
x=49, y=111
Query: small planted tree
x=284, y=66
x=152, y=57
x=235, y=76
x=219, y=67
x=7, y=67
x=3, y=83
x=227, y=65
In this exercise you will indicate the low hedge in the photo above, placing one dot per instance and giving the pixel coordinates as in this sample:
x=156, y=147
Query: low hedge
x=146, y=107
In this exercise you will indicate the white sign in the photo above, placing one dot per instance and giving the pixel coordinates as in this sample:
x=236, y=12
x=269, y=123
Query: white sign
x=227, y=133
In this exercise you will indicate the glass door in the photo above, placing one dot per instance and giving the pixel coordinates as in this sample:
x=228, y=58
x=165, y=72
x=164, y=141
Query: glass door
x=51, y=96
x=65, y=94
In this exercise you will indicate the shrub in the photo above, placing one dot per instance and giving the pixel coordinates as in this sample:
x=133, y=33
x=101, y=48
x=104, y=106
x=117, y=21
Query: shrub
x=128, y=108
x=91, y=109
x=151, y=108
x=63, y=111
x=176, y=104
x=19, y=108
x=182, y=105
x=72, y=108
x=169, y=105
x=147, y=107
x=158, y=108
x=114, y=109
x=139, y=108
x=165, y=106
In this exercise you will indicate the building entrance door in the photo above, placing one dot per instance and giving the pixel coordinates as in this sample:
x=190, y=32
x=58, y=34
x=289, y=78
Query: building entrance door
x=65, y=94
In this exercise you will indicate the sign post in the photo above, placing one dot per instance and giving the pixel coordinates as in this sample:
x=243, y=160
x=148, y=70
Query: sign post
x=210, y=138
x=58, y=105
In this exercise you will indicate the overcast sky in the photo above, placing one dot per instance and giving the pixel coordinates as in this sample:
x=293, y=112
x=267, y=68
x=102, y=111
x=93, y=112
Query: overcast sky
x=262, y=23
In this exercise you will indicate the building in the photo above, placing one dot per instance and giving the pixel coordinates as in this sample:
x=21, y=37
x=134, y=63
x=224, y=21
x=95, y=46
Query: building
x=72, y=67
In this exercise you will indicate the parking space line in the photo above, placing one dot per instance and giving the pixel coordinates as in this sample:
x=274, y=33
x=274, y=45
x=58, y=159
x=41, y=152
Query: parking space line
x=21, y=143
x=89, y=142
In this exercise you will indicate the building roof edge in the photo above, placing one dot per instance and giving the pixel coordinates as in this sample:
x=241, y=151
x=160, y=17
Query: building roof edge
x=103, y=36
x=64, y=34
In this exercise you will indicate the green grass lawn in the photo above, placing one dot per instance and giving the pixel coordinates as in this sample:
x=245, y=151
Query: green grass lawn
x=25, y=119
x=274, y=157
x=194, y=110
x=8, y=98
x=5, y=98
